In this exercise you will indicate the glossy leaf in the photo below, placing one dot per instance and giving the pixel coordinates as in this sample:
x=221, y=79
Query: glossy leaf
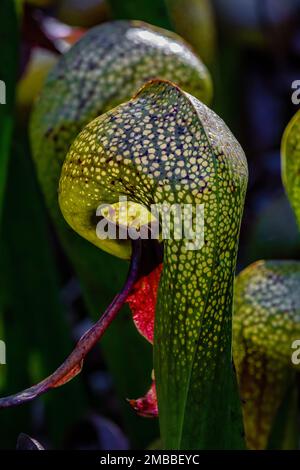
x=192, y=343
x=103, y=69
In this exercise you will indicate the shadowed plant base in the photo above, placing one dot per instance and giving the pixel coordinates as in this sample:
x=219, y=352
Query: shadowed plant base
x=266, y=323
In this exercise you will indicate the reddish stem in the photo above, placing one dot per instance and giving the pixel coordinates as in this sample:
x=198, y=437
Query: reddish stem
x=73, y=364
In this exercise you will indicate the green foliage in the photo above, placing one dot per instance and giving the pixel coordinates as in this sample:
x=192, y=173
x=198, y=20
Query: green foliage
x=198, y=398
x=196, y=25
x=154, y=11
x=290, y=152
x=266, y=322
x=79, y=89
x=192, y=349
x=35, y=328
x=285, y=427
x=192, y=346
x=9, y=26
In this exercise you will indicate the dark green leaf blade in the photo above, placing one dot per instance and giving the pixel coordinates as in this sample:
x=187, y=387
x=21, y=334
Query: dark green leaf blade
x=9, y=27
x=35, y=327
x=154, y=12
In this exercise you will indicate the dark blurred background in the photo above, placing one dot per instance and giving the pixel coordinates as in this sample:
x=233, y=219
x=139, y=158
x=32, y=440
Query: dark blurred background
x=252, y=49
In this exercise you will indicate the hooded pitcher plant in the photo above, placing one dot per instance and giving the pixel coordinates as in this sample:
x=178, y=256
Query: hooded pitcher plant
x=164, y=145
x=103, y=69
x=179, y=152
x=266, y=325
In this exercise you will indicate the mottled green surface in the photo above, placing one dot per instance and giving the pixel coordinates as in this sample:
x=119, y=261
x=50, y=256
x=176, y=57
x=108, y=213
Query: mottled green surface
x=266, y=322
x=104, y=68
x=290, y=158
x=166, y=146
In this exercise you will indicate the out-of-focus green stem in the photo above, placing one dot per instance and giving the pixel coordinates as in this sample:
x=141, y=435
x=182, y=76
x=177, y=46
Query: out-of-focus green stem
x=154, y=11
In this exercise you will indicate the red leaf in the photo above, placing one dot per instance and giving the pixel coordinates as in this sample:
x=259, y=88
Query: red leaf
x=142, y=301
x=147, y=405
